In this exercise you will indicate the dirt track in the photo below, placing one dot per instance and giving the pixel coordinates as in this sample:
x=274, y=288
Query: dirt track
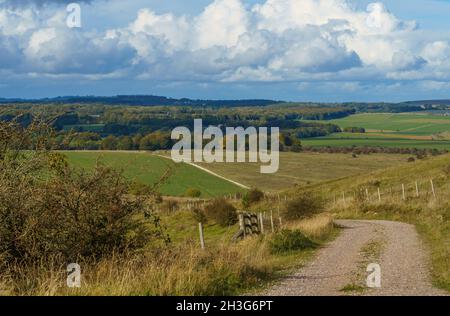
x=340, y=267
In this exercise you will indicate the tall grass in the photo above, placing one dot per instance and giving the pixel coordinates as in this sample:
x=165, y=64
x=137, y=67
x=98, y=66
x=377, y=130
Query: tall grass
x=224, y=268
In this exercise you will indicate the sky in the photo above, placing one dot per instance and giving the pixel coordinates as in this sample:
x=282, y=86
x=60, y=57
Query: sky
x=293, y=50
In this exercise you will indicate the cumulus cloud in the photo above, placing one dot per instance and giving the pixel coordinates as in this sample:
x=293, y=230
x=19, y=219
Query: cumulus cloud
x=291, y=40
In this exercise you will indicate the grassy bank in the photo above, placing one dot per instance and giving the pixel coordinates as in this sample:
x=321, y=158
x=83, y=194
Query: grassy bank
x=223, y=268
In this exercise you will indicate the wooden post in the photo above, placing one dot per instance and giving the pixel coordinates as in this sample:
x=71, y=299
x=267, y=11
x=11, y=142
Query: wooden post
x=432, y=188
x=334, y=199
x=403, y=192
x=242, y=223
x=281, y=224
x=261, y=223
x=417, y=189
x=343, y=199
x=379, y=195
x=202, y=239
x=367, y=194
x=271, y=221
x=279, y=210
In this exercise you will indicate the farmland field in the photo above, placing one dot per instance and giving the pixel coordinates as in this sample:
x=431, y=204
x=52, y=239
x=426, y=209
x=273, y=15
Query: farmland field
x=403, y=130
x=408, y=124
x=149, y=169
x=305, y=168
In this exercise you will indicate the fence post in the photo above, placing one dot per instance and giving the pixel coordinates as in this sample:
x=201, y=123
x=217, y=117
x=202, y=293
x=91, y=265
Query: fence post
x=202, y=239
x=271, y=221
x=343, y=198
x=403, y=192
x=432, y=188
x=254, y=219
x=261, y=223
x=367, y=194
x=242, y=223
x=379, y=195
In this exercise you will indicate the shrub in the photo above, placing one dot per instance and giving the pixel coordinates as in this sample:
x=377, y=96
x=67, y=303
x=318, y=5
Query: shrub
x=140, y=189
x=199, y=216
x=193, y=193
x=222, y=212
x=290, y=240
x=252, y=196
x=48, y=209
x=303, y=206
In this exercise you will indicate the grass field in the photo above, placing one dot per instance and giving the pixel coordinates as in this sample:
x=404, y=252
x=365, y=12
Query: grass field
x=403, y=123
x=305, y=168
x=404, y=130
x=149, y=169
x=361, y=140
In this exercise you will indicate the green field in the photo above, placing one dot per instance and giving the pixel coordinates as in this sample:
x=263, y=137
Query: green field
x=404, y=130
x=149, y=169
x=403, y=123
x=305, y=168
x=361, y=140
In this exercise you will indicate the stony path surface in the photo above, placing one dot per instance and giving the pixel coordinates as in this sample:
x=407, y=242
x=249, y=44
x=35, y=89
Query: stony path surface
x=342, y=264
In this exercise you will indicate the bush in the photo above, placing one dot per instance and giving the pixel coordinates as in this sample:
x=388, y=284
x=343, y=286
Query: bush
x=252, y=196
x=303, y=206
x=48, y=209
x=290, y=240
x=222, y=212
x=140, y=189
x=193, y=193
x=199, y=216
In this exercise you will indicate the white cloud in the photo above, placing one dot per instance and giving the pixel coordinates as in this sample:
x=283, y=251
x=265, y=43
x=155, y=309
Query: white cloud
x=291, y=40
x=221, y=24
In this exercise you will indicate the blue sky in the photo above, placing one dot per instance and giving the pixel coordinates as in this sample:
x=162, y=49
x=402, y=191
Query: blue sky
x=302, y=50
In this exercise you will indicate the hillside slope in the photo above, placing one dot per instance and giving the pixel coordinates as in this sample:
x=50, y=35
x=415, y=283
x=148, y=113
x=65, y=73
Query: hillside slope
x=416, y=193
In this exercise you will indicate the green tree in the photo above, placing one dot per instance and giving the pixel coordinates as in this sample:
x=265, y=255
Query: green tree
x=109, y=143
x=125, y=143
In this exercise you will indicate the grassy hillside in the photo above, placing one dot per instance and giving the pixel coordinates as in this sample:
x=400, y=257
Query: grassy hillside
x=305, y=168
x=430, y=214
x=149, y=169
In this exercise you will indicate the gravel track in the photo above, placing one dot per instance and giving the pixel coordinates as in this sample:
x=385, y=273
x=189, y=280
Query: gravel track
x=401, y=255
